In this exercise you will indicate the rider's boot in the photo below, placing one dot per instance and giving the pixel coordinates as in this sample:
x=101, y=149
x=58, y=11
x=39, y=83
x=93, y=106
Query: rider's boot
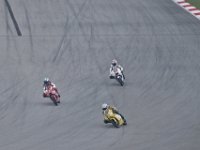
x=111, y=77
x=106, y=121
x=44, y=95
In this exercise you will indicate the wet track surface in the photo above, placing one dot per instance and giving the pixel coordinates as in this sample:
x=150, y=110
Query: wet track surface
x=73, y=42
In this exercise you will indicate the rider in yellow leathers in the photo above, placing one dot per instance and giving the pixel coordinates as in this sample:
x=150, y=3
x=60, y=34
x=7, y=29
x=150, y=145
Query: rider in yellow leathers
x=105, y=107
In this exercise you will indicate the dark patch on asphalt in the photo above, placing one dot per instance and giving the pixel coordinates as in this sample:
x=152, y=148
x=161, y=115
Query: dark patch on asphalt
x=13, y=18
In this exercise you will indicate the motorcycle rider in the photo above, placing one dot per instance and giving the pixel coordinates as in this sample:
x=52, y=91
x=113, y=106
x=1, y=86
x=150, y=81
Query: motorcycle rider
x=115, y=65
x=105, y=107
x=47, y=83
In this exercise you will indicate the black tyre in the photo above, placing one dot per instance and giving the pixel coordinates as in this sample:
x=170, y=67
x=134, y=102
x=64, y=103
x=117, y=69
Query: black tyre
x=55, y=103
x=125, y=123
x=53, y=98
x=120, y=81
x=115, y=124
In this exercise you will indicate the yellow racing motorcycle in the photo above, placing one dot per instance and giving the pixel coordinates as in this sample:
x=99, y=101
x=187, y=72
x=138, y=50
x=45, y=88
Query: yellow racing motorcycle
x=115, y=118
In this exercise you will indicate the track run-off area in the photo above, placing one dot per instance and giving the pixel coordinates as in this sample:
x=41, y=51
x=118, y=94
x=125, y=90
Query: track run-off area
x=73, y=42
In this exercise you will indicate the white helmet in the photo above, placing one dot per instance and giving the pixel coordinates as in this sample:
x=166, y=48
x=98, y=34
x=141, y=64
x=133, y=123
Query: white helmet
x=104, y=106
x=114, y=62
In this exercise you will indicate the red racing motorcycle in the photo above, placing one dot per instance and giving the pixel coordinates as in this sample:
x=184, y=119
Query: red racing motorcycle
x=53, y=94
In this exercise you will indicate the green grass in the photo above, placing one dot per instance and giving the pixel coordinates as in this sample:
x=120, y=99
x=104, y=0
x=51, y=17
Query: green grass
x=195, y=3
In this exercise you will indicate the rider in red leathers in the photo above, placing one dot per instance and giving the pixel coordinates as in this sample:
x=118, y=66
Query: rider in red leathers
x=47, y=84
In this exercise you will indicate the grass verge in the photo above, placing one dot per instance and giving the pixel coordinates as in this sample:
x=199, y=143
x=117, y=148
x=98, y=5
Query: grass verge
x=195, y=3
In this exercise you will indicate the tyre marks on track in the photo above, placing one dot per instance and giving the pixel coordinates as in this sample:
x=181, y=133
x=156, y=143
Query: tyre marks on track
x=30, y=33
x=68, y=25
x=11, y=37
x=13, y=18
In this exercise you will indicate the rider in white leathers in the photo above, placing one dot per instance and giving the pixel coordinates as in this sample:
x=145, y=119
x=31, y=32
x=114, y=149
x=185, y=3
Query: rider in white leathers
x=114, y=66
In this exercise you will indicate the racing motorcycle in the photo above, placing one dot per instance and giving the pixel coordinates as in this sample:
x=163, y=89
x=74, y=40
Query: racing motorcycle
x=119, y=76
x=115, y=119
x=54, y=96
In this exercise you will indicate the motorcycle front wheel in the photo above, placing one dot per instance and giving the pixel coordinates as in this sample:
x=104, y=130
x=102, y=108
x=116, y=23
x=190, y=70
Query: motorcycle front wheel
x=53, y=98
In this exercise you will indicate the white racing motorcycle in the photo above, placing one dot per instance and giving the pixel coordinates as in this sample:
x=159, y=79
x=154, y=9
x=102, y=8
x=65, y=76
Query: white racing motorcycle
x=118, y=76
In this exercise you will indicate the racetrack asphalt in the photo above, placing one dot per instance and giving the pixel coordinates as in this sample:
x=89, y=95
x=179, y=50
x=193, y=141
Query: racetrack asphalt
x=73, y=42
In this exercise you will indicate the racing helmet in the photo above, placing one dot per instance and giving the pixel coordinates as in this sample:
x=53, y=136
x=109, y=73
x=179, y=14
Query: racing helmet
x=104, y=106
x=46, y=80
x=114, y=62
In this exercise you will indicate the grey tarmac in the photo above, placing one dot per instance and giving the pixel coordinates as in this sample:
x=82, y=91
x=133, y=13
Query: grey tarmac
x=73, y=42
